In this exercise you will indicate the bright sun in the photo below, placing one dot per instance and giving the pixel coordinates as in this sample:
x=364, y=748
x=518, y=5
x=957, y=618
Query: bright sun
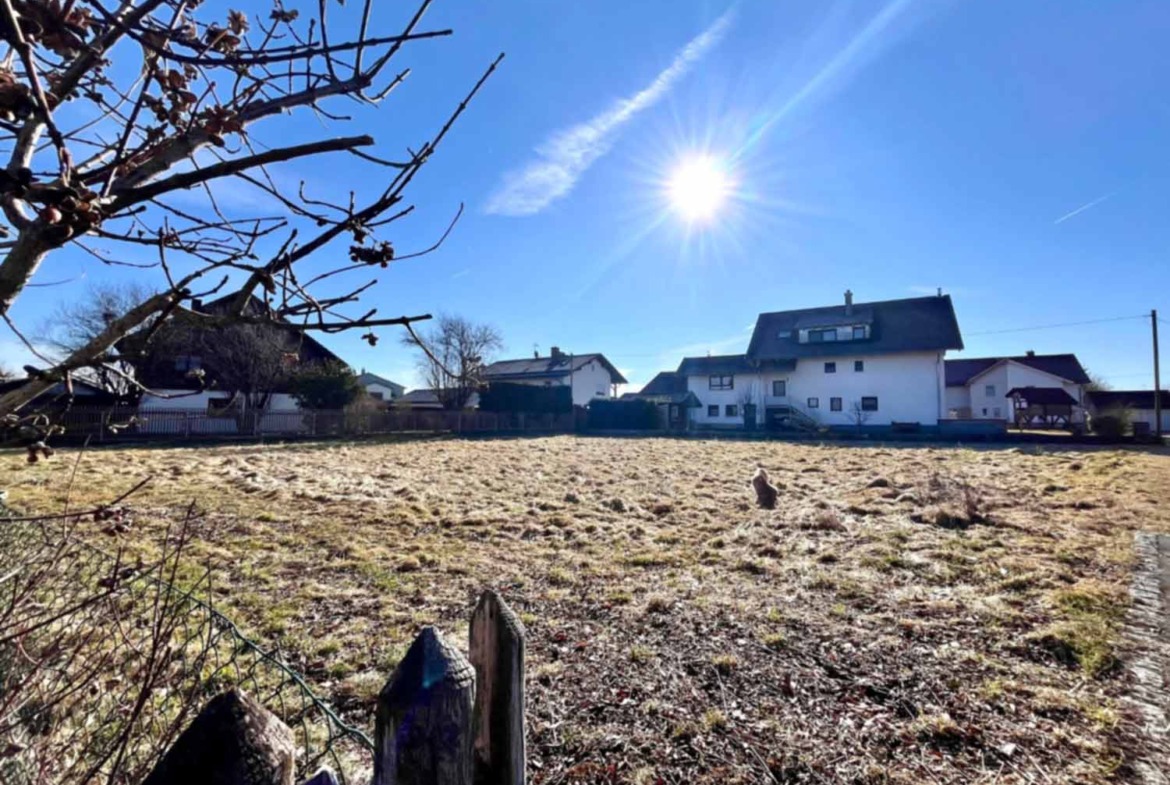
x=698, y=187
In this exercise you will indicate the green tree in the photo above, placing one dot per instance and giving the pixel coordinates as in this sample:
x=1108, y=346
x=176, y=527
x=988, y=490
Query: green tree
x=328, y=385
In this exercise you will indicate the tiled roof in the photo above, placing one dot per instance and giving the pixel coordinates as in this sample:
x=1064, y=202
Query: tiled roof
x=1066, y=366
x=908, y=325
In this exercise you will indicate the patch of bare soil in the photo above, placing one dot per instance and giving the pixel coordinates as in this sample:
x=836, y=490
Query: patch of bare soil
x=902, y=615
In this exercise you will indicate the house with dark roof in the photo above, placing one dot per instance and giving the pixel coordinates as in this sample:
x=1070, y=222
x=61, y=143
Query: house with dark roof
x=1139, y=405
x=380, y=388
x=590, y=375
x=668, y=390
x=980, y=388
x=170, y=368
x=873, y=363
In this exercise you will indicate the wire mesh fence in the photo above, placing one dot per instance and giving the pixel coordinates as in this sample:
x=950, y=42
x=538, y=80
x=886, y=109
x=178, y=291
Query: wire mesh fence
x=106, y=655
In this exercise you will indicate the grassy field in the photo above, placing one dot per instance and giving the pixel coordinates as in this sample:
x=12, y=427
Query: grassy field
x=904, y=615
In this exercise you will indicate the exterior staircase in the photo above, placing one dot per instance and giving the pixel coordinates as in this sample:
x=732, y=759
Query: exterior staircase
x=789, y=418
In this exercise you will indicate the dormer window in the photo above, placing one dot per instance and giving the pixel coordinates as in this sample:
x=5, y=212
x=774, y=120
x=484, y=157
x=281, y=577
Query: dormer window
x=822, y=336
x=849, y=332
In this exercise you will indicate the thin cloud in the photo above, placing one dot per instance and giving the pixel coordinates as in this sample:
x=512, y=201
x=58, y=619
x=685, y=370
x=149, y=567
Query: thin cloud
x=567, y=154
x=1081, y=209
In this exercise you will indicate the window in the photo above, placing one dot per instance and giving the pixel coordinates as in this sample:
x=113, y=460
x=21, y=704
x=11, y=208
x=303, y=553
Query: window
x=187, y=362
x=858, y=333
x=989, y=391
x=779, y=388
x=822, y=336
x=835, y=404
x=985, y=411
x=731, y=410
x=713, y=410
x=814, y=403
x=858, y=366
x=830, y=367
x=996, y=412
x=721, y=382
x=219, y=406
x=377, y=396
x=869, y=403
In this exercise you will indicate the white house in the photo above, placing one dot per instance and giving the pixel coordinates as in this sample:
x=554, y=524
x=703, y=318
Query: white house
x=1138, y=403
x=379, y=388
x=978, y=387
x=873, y=363
x=589, y=376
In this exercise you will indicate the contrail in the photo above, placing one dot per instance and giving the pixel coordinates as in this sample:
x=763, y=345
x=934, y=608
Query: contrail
x=567, y=154
x=1081, y=209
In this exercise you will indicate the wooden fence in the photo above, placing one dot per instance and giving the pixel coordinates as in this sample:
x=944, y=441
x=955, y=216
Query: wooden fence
x=441, y=719
x=128, y=423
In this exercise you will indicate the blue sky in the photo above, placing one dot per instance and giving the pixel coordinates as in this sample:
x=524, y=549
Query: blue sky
x=1012, y=153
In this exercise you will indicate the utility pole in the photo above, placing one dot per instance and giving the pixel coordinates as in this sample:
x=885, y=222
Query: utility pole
x=1157, y=378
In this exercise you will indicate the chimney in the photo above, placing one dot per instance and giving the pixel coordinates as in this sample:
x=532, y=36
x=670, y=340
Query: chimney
x=940, y=291
x=848, y=303
x=1030, y=353
x=196, y=304
x=556, y=352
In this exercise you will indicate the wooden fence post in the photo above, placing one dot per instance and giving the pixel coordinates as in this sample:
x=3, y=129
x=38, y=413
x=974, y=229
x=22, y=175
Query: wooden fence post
x=497, y=652
x=233, y=740
x=423, y=727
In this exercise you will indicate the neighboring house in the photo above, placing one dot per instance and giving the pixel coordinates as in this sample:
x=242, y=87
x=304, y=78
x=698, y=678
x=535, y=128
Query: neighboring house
x=86, y=392
x=429, y=399
x=978, y=388
x=590, y=376
x=168, y=376
x=878, y=363
x=1140, y=404
x=668, y=390
x=379, y=388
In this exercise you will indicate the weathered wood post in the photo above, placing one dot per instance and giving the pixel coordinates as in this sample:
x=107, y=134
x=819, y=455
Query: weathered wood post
x=497, y=652
x=233, y=740
x=423, y=726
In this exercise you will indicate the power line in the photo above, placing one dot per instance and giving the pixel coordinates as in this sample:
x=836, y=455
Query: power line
x=1063, y=324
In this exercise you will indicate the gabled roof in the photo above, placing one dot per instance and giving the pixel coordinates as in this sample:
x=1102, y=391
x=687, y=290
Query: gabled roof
x=1043, y=396
x=719, y=365
x=548, y=367
x=366, y=379
x=908, y=325
x=1128, y=399
x=665, y=383
x=1066, y=366
x=729, y=365
x=310, y=346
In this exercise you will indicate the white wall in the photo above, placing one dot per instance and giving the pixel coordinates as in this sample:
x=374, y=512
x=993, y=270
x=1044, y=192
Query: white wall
x=590, y=382
x=700, y=386
x=908, y=386
x=388, y=393
x=1009, y=376
x=1147, y=416
x=278, y=402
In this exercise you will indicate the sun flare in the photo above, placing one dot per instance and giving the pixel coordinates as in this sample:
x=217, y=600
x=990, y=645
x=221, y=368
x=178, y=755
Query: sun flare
x=698, y=187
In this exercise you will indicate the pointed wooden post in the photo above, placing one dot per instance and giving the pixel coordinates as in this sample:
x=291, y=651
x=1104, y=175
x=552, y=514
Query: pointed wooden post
x=497, y=652
x=233, y=740
x=423, y=727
